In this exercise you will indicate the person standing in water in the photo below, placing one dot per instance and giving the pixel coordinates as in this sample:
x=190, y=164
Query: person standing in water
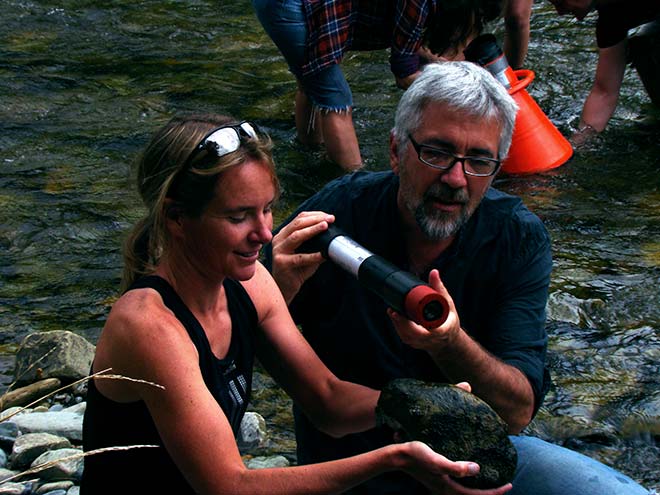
x=315, y=35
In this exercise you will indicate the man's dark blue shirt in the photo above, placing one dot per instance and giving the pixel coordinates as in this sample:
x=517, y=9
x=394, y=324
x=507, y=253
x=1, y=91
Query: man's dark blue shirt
x=497, y=271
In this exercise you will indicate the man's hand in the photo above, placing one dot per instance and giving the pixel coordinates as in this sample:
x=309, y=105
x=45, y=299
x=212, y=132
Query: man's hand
x=291, y=269
x=431, y=340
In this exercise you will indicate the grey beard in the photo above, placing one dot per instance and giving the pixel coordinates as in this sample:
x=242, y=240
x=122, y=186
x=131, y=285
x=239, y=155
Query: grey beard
x=437, y=228
x=437, y=225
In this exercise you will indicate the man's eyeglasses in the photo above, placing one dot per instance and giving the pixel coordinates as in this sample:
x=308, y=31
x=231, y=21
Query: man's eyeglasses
x=225, y=140
x=444, y=160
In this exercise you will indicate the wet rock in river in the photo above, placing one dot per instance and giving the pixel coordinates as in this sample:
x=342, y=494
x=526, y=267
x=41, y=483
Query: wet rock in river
x=454, y=423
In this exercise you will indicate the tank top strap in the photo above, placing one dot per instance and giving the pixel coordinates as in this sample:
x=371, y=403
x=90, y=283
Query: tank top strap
x=228, y=379
x=169, y=296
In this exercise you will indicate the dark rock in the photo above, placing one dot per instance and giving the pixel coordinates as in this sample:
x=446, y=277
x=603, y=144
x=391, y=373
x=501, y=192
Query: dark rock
x=8, y=435
x=454, y=423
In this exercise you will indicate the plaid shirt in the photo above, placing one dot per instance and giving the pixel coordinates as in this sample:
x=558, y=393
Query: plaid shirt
x=336, y=26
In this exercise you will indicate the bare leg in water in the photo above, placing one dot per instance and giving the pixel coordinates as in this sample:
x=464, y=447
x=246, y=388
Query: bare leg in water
x=334, y=129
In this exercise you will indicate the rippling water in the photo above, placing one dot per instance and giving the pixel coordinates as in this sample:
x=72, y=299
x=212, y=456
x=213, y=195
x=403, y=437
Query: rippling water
x=83, y=84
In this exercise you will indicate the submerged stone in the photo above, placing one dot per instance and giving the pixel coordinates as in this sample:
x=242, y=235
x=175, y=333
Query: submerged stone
x=454, y=423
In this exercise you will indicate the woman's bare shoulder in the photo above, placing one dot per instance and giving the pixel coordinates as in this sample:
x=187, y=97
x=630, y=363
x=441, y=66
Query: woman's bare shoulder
x=140, y=324
x=142, y=339
x=139, y=309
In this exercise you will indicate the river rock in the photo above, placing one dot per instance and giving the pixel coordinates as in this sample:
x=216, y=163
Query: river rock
x=265, y=462
x=252, y=433
x=31, y=445
x=49, y=488
x=62, y=423
x=56, y=354
x=67, y=464
x=11, y=488
x=8, y=434
x=7, y=473
x=454, y=423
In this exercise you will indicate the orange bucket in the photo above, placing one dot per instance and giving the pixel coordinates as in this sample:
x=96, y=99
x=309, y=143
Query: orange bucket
x=537, y=145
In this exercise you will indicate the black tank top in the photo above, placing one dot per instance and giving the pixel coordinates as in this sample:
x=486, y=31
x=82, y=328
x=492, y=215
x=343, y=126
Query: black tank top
x=108, y=423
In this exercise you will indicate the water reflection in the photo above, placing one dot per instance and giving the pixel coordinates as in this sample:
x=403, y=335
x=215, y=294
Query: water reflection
x=83, y=84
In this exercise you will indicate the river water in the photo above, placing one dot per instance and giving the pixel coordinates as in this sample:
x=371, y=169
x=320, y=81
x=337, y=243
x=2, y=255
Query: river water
x=84, y=83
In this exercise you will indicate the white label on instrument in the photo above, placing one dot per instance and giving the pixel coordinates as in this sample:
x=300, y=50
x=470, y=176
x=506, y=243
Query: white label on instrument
x=348, y=254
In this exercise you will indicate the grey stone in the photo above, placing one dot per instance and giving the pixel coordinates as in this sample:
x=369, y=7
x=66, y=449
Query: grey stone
x=56, y=354
x=70, y=468
x=252, y=433
x=31, y=445
x=78, y=408
x=50, y=488
x=7, y=473
x=62, y=423
x=11, y=413
x=8, y=435
x=11, y=488
x=454, y=423
x=74, y=490
x=8, y=429
x=80, y=389
x=267, y=462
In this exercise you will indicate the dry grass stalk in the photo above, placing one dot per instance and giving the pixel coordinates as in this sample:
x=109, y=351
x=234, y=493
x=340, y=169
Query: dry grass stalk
x=103, y=374
x=98, y=374
x=73, y=457
x=121, y=377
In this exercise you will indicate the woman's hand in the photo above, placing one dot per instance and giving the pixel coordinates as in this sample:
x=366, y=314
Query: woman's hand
x=436, y=472
x=290, y=268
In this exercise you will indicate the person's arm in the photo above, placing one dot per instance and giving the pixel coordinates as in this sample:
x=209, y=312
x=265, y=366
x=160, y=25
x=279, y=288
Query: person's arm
x=601, y=102
x=517, y=26
x=410, y=18
x=461, y=358
x=335, y=406
x=146, y=342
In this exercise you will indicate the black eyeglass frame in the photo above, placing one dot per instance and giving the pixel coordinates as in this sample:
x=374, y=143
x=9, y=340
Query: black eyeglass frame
x=455, y=158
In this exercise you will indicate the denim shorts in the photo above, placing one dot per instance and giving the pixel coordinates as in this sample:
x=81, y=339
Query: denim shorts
x=284, y=21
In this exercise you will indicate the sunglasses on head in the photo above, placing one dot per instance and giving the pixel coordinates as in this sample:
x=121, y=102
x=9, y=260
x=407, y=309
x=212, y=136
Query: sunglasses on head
x=225, y=140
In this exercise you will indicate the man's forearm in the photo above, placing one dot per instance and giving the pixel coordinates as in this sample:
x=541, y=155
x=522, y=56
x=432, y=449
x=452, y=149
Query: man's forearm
x=504, y=387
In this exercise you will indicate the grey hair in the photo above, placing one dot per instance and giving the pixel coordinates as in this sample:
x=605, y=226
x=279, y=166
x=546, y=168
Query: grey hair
x=463, y=86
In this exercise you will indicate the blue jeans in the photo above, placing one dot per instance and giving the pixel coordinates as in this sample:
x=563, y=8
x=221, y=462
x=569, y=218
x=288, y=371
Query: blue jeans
x=548, y=469
x=284, y=21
